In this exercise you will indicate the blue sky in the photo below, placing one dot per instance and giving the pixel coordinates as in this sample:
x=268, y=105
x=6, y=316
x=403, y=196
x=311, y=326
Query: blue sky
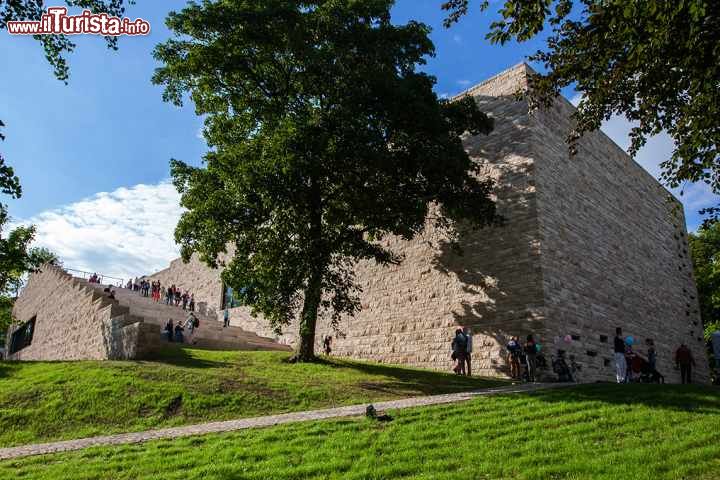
x=93, y=155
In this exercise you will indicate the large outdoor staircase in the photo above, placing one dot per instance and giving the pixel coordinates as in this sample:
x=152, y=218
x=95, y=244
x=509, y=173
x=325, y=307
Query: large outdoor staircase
x=210, y=334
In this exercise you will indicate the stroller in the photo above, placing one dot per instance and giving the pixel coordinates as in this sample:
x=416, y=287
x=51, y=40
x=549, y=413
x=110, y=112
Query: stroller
x=540, y=364
x=644, y=372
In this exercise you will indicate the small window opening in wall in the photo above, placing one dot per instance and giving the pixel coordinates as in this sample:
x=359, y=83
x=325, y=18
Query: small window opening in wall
x=22, y=337
x=576, y=337
x=603, y=338
x=606, y=362
x=591, y=353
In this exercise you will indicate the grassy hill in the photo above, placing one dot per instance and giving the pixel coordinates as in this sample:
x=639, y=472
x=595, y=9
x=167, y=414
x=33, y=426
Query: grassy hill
x=596, y=432
x=42, y=401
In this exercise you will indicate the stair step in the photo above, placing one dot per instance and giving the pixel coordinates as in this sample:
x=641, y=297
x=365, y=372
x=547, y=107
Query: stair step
x=210, y=334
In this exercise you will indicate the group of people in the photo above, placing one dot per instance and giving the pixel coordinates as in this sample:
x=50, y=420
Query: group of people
x=525, y=358
x=94, y=278
x=520, y=354
x=633, y=366
x=182, y=331
x=170, y=296
x=176, y=332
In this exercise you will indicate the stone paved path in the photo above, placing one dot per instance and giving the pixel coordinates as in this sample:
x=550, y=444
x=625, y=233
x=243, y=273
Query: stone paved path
x=245, y=423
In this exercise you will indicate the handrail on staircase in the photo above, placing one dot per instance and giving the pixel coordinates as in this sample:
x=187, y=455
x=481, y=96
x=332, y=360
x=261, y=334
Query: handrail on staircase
x=119, y=282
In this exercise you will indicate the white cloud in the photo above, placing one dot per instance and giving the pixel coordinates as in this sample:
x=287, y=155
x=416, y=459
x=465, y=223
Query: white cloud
x=124, y=233
x=463, y=83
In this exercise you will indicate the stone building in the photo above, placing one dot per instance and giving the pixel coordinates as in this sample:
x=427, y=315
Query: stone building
x=590, y=243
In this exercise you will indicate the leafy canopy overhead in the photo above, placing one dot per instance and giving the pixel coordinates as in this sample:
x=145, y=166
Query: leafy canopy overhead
x=324, y=140
x=657, y=62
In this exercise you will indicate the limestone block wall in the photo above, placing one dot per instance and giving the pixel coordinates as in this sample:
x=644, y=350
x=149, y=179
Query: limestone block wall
x=589, y=243
x=75, y=322
x=614, y=251
x=410, y=311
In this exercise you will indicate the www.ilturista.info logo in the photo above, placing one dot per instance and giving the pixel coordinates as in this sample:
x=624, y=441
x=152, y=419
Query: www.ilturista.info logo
x=57, y=22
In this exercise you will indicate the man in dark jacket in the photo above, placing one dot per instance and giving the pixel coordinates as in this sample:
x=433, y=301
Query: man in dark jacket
x=685, y=361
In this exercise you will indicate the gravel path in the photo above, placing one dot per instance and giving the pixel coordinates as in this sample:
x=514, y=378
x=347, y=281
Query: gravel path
x=256, y=422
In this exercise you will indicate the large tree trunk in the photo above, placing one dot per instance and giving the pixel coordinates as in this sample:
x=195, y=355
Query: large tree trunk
x=305, y=351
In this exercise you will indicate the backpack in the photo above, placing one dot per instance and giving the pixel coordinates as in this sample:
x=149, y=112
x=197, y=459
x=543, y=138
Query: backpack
x=461, y=342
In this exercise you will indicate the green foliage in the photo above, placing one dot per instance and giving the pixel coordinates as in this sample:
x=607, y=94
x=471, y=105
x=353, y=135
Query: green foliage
x=56, y=46
x=656, y=62
x=598, y=432
x=325, y=139
x=705, y=253
x=6, y=305
x=43, y=401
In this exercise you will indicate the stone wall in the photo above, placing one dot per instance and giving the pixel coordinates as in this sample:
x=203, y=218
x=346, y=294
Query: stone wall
x=410, y=311
x=75, y=322
x=589, y=243
x=614, y=251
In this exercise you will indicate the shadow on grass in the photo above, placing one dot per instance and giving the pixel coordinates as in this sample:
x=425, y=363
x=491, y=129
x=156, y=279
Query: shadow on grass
x=5, y=369
x=181, y=356
x=427, y=382
x=685, y=398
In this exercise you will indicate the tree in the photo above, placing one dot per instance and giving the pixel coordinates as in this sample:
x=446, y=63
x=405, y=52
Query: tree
x=705, y=253
x=324, y=140
x=656, y=62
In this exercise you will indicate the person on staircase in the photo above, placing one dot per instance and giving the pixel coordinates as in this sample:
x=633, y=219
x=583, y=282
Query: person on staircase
x=185, y=298
x=191, y=305
x=179, y=338
x=226, y=317
x=169, y=330
x=191, y=323
x=178, y=297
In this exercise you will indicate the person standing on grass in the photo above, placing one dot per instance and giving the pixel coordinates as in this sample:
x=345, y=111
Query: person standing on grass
x=530, y=356
x=459, y=351
x=620, y=361
x=651, y=353
x=514, y=350
x=327, y=345
x=685, y=361
x=468, y=350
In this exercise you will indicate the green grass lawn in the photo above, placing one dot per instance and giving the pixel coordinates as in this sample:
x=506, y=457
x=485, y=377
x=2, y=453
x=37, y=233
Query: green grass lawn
x=43, y=401
x=595, y=431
